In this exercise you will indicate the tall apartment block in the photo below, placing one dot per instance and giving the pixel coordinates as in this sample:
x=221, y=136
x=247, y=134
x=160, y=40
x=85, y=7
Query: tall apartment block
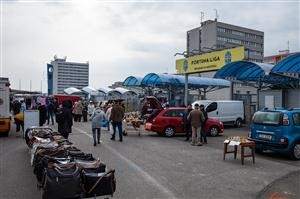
x=214, y=35
x=62, y=74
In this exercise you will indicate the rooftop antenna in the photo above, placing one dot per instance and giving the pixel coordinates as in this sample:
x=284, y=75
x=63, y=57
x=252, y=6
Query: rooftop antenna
x=217, y=16
x=202, y=17
x=288, y=45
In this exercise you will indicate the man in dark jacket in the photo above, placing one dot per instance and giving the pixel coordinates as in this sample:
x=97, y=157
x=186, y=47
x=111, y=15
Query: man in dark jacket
x=203, y=130
x=65, y=121
x=50, y=109
x=43, y=114
x=117, y=115
x=186, y=123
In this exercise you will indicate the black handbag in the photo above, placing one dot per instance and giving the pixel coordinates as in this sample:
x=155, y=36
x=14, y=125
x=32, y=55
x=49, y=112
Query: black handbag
x=94, y=166
x=39, y=168
x=99, y=184
x=62, y=183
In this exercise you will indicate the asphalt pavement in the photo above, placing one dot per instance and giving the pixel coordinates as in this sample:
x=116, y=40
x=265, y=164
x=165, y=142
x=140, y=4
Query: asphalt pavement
x=152, y=166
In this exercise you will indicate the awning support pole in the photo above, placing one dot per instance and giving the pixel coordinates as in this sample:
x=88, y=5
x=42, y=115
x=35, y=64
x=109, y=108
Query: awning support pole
x=186, y=80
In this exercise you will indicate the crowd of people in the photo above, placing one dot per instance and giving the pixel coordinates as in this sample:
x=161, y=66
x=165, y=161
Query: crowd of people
x=102, y=115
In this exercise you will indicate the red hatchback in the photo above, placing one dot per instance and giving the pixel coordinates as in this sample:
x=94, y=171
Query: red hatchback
x=169, y=122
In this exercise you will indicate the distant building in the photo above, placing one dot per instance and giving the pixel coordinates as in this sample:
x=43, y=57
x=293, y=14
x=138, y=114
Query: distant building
x=62, y=75
x=214, y=35
x=274, y=59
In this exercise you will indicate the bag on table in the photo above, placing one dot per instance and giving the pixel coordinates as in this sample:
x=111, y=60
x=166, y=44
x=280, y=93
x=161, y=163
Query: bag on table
x=62, y=182
x=99, y=184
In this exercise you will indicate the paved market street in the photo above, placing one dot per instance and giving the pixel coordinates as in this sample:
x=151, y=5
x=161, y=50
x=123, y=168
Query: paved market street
x=151, y=166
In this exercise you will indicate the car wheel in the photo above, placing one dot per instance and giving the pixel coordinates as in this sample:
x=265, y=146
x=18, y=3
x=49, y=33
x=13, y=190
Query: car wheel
x=238, y=123
x=295, y=153
x=213, y=131
x=169, y=131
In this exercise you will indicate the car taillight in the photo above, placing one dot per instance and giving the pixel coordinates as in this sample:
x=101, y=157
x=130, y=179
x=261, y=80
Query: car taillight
x=285, y=120
x=153, y=120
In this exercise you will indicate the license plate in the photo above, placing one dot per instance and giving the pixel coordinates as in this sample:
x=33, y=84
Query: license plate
x=264, y=136
x=148, y=126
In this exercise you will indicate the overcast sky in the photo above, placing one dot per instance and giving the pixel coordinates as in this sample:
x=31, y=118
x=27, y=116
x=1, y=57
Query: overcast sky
x=124, y=38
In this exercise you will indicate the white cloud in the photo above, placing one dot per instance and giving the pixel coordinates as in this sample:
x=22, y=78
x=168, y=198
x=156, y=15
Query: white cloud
x=122, y=39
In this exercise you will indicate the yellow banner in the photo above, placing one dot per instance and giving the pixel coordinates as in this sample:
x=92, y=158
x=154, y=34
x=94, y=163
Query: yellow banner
x=209, y=61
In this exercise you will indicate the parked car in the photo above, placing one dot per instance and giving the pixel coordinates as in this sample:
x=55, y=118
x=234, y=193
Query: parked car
x=277, y=130
x=169, y=122
x=230, y=112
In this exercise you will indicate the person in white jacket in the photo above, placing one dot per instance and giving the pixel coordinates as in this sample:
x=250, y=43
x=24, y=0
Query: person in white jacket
x=91, y=108
x=108, y=113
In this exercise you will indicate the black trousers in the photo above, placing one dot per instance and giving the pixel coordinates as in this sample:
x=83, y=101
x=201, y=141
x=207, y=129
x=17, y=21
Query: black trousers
x=203, y=134
x=98, y=130
x=119, y=126
x=187, y=130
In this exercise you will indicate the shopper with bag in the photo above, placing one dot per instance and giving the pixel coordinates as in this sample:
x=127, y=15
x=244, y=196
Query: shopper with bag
x=98, y=120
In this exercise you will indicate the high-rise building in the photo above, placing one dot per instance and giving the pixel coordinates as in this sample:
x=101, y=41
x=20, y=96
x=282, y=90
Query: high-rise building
x=62, y=75
x=214, y=35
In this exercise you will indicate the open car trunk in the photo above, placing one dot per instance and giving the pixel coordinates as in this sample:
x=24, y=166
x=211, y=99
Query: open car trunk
x=150, y=107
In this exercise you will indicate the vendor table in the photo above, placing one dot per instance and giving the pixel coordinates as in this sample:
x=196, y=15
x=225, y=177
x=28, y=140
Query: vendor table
x=243, y=142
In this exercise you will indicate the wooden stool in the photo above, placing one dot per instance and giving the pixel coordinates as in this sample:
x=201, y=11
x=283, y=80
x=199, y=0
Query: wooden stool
x=251, y=145
x=226, y=151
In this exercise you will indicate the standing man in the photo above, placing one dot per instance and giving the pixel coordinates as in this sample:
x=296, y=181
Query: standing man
x=203, y=132
x=186, y=123
x=50, y=109
x=43, y=113
x=117, y=115
x=78, y=111
x=196, y=118
x=64, y=119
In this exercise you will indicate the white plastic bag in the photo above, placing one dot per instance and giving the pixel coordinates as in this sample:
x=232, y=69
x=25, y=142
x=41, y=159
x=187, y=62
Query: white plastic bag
x=111, y=130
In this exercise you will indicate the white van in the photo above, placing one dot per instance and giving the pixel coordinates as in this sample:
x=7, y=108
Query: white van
x=226, y=111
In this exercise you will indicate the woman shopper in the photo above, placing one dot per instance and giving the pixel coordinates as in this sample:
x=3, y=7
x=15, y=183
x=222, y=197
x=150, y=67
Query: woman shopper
x=97, y=118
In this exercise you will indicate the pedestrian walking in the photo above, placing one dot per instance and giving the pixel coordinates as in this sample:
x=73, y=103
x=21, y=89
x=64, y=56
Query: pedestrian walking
x=196, y=118
x=117, y=115
x=203, y=130
x=97, y=118
x=50, y=110
x=64, y=118
x=186, y=123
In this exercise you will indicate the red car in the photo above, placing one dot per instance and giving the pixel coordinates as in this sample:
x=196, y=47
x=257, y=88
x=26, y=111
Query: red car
x=169, y=122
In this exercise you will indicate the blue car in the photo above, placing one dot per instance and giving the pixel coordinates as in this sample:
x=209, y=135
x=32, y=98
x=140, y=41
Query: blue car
x=277, y=130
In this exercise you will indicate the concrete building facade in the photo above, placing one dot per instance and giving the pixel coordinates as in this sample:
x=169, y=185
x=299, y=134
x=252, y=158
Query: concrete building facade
x=62, y=74
x=215, y=35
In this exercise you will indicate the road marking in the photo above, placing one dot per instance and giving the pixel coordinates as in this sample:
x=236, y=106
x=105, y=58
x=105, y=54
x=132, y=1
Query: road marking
x=146, y=176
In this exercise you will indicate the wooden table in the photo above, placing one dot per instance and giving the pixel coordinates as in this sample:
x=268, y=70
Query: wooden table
x=244, y=144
